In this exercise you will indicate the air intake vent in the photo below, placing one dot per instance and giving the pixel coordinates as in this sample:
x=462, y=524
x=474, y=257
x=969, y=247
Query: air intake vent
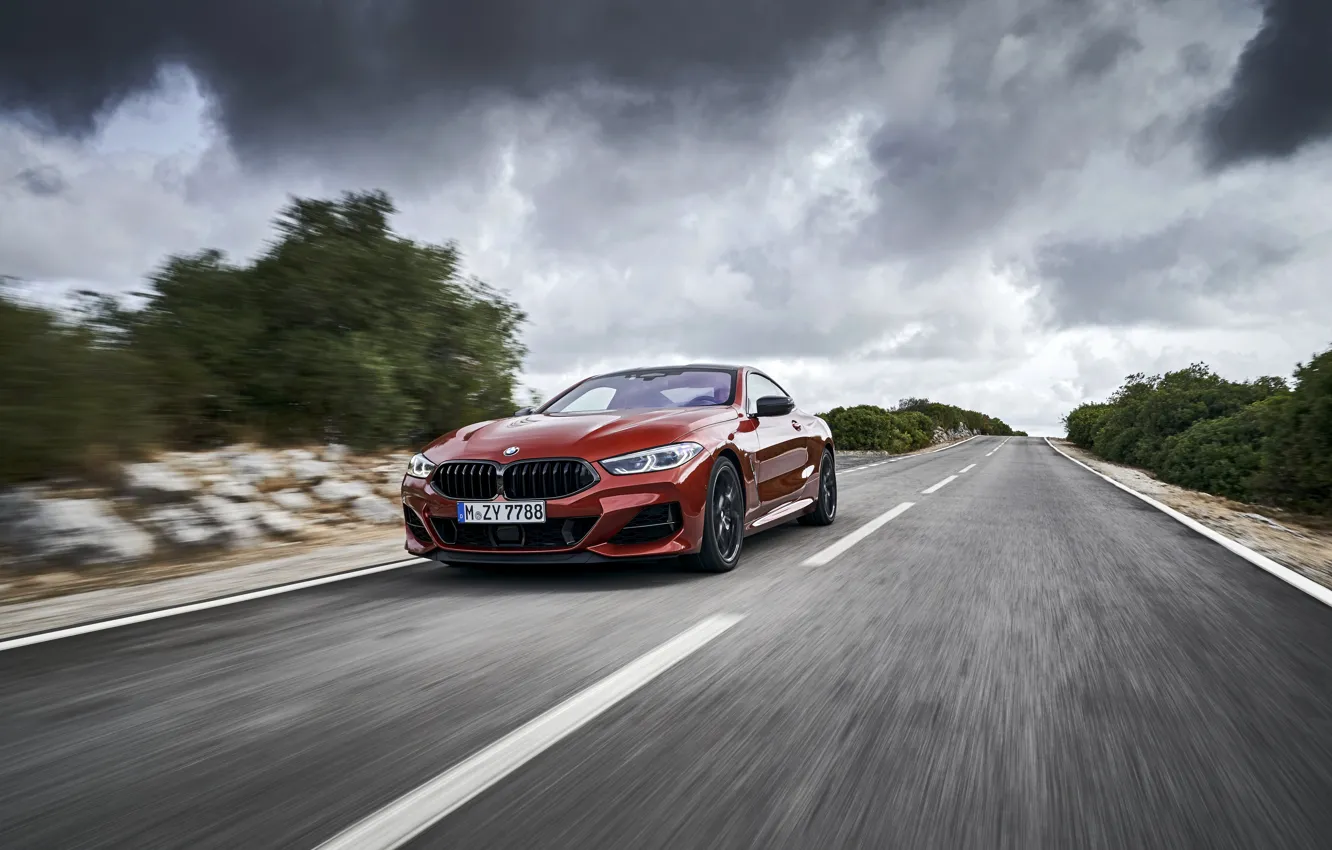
x=415, y=527
x=655, y=522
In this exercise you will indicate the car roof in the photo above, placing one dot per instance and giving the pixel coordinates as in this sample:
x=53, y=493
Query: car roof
x=676, y=366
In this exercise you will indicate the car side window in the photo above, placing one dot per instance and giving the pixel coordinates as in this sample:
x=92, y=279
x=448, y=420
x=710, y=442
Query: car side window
x=756, y=387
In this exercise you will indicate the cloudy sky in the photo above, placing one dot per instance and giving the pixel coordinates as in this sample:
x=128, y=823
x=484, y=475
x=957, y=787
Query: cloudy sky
x=1004, y=204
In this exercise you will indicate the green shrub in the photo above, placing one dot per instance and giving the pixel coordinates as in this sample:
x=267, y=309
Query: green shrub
x=1249, y=440
x=68, y=404
x=866, y=427
x=1222, y=456
x=1083, y=423
x=1298, y=458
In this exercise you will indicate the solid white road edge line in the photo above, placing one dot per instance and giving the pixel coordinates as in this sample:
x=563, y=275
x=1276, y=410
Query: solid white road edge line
x=1286, y=574
x=409, y=816
x=175, y=610
x=966, y=469
x=820, y=558
x=936, y=487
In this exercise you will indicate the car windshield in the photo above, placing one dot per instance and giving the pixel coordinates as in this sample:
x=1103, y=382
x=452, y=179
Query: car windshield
x=648, y=389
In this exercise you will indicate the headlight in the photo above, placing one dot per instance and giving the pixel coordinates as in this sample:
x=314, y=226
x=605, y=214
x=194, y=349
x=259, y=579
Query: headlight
x=420, y=466
x=652, y=460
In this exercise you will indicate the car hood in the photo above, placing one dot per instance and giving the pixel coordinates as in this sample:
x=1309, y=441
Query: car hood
x=593, y=436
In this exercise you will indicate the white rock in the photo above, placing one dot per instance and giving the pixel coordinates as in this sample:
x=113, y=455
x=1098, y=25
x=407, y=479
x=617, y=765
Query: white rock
x=254, y=467
x=185, y=525
x=335, y=452
x=299, y=454
x=375, y=509
x=72, y=531
x=311, y=469
x=292, y=500
x=238, y=520
x=157, y=482
x=339, y=492
x=235, y=490
x=279, y=522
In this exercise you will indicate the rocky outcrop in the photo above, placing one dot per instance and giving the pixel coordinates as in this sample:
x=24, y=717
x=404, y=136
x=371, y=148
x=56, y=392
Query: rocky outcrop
x=76, y=531
x=191, y=501
x=949, y=435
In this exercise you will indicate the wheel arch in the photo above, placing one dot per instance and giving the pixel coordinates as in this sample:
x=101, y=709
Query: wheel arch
x=730, y=453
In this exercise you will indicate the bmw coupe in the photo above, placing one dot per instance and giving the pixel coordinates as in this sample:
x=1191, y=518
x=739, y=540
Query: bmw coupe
x=676, y=461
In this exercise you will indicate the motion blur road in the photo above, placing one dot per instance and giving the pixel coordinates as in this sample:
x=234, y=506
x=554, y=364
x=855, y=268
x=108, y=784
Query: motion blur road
x=1026, y=657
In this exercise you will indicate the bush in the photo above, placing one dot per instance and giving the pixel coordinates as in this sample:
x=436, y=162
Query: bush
x=1221, y=456
x=68, y=405
x=1298, y=457
x=866, y=427
x=1245, y=440
x=950, y=418
x=1083, y=423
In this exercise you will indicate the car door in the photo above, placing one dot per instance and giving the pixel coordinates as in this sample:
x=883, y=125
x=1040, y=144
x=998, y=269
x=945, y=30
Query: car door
x=783, y=453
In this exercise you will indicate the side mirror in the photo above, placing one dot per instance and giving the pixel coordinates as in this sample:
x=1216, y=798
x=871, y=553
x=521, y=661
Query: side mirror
x=774, y=405
x=522, y=411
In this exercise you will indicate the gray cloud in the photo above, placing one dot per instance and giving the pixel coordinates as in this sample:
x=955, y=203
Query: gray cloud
x=1196, y=59
x=1101, y=50
x=308, y=71
x=44, y=181
x=1280, y=99
x=1169, y=276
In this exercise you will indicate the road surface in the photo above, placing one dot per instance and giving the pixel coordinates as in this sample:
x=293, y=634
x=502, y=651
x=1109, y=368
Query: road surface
x=1026, y=657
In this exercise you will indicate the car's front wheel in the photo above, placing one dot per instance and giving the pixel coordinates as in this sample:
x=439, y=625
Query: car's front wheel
x=825, y=506
x=723, y=521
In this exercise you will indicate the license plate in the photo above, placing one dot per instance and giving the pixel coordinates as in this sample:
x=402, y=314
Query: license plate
x=501, y=513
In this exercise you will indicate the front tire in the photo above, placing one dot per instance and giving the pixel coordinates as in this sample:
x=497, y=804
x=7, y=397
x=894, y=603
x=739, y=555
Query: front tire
x=723, y=521
x=825, y=506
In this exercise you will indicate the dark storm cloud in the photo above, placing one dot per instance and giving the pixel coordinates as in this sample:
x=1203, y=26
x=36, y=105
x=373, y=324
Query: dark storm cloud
x=1101, y=50
x=1280, y=99
x=1163, y=276
x=283, y=72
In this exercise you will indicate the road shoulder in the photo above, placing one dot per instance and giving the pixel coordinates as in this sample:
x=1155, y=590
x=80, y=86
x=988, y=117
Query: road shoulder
x=23, y=618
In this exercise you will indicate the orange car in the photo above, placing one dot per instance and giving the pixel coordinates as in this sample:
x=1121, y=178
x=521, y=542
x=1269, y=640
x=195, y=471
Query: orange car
x=676, y=461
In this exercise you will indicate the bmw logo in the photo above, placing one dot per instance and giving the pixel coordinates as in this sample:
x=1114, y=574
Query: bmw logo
x=510, y=451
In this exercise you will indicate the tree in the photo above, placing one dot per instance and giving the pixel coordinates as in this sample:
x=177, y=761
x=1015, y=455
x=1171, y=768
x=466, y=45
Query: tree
x=341, y=330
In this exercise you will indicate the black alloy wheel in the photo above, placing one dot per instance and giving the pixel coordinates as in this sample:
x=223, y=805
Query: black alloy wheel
x=825, y=506
x=723, y=521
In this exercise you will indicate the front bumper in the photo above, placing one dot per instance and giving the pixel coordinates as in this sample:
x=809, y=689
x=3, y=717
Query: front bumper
x=600, y=521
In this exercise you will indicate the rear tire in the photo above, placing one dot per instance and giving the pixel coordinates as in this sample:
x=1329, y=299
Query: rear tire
x=825, y=506
x=723, y=522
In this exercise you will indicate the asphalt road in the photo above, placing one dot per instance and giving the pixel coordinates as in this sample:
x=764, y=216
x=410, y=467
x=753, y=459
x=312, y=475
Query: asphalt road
x=1026, y=657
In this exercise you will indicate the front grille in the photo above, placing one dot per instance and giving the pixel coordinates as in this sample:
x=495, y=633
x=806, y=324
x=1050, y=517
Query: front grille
x=547, y=479
x=467, y=480
x=415, y=526
x=552, y=534
x=654, y=522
